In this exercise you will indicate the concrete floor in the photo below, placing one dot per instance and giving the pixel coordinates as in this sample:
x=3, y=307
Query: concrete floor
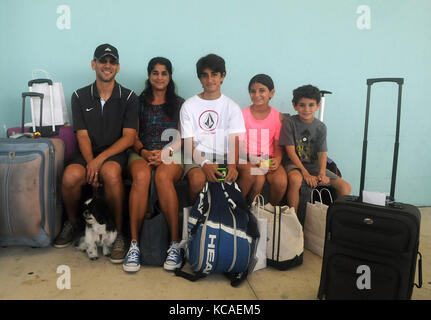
x=31, y=274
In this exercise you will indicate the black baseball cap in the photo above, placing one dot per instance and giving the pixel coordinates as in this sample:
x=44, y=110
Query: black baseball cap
x=106, y=50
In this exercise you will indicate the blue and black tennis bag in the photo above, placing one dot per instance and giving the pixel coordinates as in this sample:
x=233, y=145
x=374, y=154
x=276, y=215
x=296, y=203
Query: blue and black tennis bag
x=222, y=234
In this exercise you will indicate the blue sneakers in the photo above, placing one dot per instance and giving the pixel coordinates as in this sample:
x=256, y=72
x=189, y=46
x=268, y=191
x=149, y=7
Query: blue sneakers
x=132, y=260
x=174, y=258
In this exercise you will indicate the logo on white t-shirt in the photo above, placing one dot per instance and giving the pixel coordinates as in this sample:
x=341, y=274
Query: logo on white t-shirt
x=208, y=120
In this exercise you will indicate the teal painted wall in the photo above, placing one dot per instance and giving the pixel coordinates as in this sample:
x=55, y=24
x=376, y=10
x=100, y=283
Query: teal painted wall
x=335, y=45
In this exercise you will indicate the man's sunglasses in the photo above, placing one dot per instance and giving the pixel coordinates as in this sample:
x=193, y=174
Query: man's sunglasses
x=111, y=60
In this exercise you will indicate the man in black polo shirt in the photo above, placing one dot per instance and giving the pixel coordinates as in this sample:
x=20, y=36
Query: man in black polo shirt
x=105, y=117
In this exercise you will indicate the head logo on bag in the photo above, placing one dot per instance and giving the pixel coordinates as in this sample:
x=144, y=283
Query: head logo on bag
x=210, y=254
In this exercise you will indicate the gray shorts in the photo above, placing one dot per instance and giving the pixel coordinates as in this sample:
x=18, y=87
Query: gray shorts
x=188, y=167
x=290, y=166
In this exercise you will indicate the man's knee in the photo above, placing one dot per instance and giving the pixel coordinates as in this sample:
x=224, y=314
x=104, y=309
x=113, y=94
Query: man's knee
x=73, y=176
x=111, y=173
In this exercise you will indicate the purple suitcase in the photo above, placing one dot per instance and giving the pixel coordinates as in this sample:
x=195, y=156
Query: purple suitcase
x=65, y=133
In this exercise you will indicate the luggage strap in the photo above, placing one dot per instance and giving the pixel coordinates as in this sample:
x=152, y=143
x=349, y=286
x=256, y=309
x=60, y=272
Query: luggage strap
x=203, y=208
x=277, y=211
x=188, y=276
x=236, y=278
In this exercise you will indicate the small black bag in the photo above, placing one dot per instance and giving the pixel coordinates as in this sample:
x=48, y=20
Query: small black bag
x=154, y=239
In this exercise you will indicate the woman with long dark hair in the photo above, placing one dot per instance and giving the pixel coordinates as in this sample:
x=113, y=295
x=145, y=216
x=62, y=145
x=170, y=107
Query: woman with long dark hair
x=152, y=150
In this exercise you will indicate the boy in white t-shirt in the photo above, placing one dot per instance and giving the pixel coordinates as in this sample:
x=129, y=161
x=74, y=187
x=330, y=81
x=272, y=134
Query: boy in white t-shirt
x=210, y=124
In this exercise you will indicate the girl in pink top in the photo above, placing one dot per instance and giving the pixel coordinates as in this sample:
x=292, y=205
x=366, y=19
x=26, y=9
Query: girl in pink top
x=264, y=155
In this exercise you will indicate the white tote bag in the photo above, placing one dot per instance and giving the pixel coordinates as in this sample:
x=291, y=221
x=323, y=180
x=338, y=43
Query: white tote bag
x=315, y=223
x=262, y=223
x=54, y=111
x=285, y=238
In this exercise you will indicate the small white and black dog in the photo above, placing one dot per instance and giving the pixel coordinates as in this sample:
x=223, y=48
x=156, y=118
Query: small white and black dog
x=99, y=230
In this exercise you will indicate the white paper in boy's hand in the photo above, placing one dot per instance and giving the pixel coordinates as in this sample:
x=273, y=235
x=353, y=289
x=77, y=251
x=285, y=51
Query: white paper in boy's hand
x=377, y=198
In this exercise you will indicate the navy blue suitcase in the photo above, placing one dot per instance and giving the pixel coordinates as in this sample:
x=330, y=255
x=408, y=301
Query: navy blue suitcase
x=371, y=251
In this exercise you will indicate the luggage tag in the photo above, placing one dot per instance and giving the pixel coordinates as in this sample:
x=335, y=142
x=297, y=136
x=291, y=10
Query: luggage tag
x=373, y=197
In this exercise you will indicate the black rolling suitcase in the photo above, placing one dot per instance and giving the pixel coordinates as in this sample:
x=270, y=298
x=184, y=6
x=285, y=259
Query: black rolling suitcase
x=371, y=251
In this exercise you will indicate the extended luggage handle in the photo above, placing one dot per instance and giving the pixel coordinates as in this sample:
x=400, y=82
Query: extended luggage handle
x=323, y=92
x=400, y=81
x=51, y=99
x=322, y=103
x=31, y=95
x=370, y=82
x=39, y=81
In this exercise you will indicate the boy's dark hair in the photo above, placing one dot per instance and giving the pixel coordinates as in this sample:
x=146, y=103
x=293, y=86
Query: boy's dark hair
x=211, y=61
x=262, y=79
x=307, y=91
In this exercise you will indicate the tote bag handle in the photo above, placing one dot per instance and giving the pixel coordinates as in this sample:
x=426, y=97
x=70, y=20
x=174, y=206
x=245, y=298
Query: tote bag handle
x=319, y=192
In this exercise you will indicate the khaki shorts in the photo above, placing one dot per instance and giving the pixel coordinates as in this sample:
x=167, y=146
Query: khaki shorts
x=132, y=155
x=188, y=167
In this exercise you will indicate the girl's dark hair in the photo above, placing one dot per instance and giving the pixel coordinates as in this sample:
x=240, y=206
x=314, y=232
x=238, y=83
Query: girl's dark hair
x=172, y=105
x=307, y=91
x=262, y=79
